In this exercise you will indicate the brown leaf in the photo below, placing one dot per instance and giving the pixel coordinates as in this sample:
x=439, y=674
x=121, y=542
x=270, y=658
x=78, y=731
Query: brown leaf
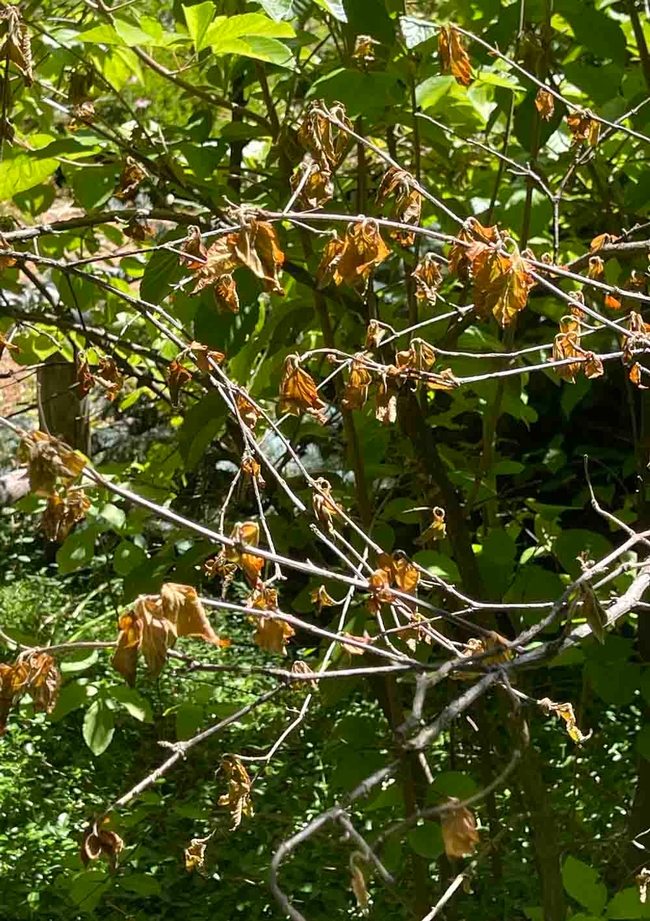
x=129, y=640
x=131, y=177
x=453, y=56
x=62, y=512
x=5, y=344
x=459, y=833
x=385, y=401
x=400, y=570
x=6, y=694
x=428, y=279
x=49, y=459
x=583, y=127
x=375, y=333
x=238, y=797
x=263, y=597
x=194, y=249
x=635, y=375
x=596, y=268
x=158, y=634
x=252, y=469
x=273, y=634
x=298, y=393
x=419, y=356
x=100, y=842
x=246, y=533
x=16, y=44
x=366, y=639
x=177, y=377
x=299, y=667
x=258, y=248
x=138, y=229
x=195, y=855
x=325, y=508
x=220, y=260
x=545, y=104
x=472, y=239
x=501, y=285
x=321, y=598
x=325, y=141
x=43, y=682
x=327, y=270
x=437, y=530
x=182, y=607
x=358, y=882
x=317, y=189
x=566, y=713
x=364, y=50
x=593, y=366
x=378, y=585
x=445, y=380
x=109, y=378
x=225, y=294
x=203, y=356
x=603, y=239
x=85, y=379
x=363, y=249
x=356, y=388
x=248, y=411
x=612, y=302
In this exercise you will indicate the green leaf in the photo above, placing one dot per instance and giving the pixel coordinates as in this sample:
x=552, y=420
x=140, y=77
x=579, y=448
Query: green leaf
x=123, y=33
x=127, y=557
x=573, y=541
x=200, y=427
x=260, y=48
x=132, y=701
x=99, y=726
x=626, y=906
x=87, y=889
x=278, y=9
x=429, y=93
x=335, y=7
x=582, y=883
x=452, y=783
x=225, y=29
x=370, y=17
x=77, y=550
x=79, y=661
x=426, y=840
x=71, y=697
x=416, y=31
x=114, y=515
x=189, y=718
x=23, y=172
x=162, y=272
x=144, y=886
x=198, y=18
x=371, y=94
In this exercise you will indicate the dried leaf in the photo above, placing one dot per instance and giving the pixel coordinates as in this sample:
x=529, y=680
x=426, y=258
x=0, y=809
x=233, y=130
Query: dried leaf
x=428, y=279
x=263, y=597
x=108, y=377
x=246, y=533
x=325, y=141
x=327, y=270
x=129, y=640
x=565, y=712
x=204, y=356
x=248, y=412
x=596, y=268
x=356, y=388
x=131, y=177
x=5, y=344
x=238, y=797
x=252, y=469
x=364, y=50
x=459, y=832
x=6, y=694
x=317, y=188
x=100, y=842
x=273, y=634
x=453, y=56
x=437, y=530
x=194, y=249
x=358, y=882
x=366, y=639
x=635, y=375
x=603, y=239
x=374, y=334
x=62, y=512
x=445, y=380
x=49, y=459
x=399, y=570
x=257, y=247
x=583, y=127
x=472, y=239
x=298, y=393
x=612, y=302
x=43, y=681
x=322, y=599
x=545, y=104
x=85, y=379
x=325, y=508
x=220, y=260
x=225, y=294
x=363, y=249
x=378, y=586
x=501, y=285
x=138, y=229
x=177, y=377
x=16, y=44
x=301, y=668
x=195, y=855
x=386, y=401
x=158, y=634
x=593, y=366
x=182, y=607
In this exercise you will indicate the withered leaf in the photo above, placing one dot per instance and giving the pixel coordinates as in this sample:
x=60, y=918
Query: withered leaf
x=436, y=530
x=355, y=650
x=299, y=667
x=428, y=279
x=138, y=229
x=327, y=270
x=62, y=512
x=263, y=597
x=108, y=377
x=378, y=585
x=238, y=797
x=182, y=607
x=612, y=302
x=49, y=459
x=195, y=855
x=472, y=239
x=177, y=376
x=358, y=882
x=453, y=56
x=6, y=694
x=220, y=260
x=385, y=401
x=635, y=375
x=131, y=177
x=459, y=832
x=356, y=388
x=203, y=356
x=246, y=533
x=321, y=598
x=593, y=366
x=596, y=268
x=325, y=141
x=194, y=249
x=583, y=127
x=16, y=44
x=545, y=104
x=100, y=842
x=565, y=712
x=252, y=469
x=225, y=294
x=501, y=285
x=43, y=681
x=129, y=640
x=375, y=332
x=400, y=570
x=408, y=202
x=5, y=344
x=363, y=249
x=298, y=393
x=158, y=634
x=85, y=379
x=273, y=634
x=364, y=50
x=444, y=380
x=325, y=508
x=248, y=412
x=603, y=239
x=314, y=181
x=257, y=247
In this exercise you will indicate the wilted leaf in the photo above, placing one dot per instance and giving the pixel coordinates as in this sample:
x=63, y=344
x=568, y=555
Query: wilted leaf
x=321, y=598
x=436, y=530
x=299, y=667
x=501, y=285
x=247, y=533
x=603, y=239
x=177, y=377
x=545, y=104
x=238, y=797
x=314, y=181
x=453, y=56
x=428, y=279
x=635, y=375
x=258, y=248
x=298, y=393
x=100, y=842
x=49, y=459
x=472, y=238
x=220, y=260
x=263, y=597
x=108, y=377
x=5, y=344
x=85, y=380
x=400, y=570
x=612, y=302
x=62, y=512
x=273, y=634
x=195, y=855
x=407, y=205
x=16, y=44
x=325, y=141
x=378, y=586
x=356, y=388
x=182, y=607
x=565, y=712
x=593, y=366
x=375, y=333
x=252, y=469
x=204, y=356
x=459, y=832
x=325, y=508
x=248, y=412
x=366, y=639
x=358, y=882
x=131, y=178
x=225, y=294
x=194, y=249
x=328, y=267
x=596, y=268
x=583, y=127
x=363, y=249
x=385, y=401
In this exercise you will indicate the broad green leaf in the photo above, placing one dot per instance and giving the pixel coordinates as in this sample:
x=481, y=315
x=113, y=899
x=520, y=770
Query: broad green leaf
x=371, y=94
x=144, y=886
x=23, y=172
x=189, y=718
x=278, y=9
x=87, y=889
x=127, y=557
x=416, y=31
x=429, y=93
x=77, y=550
x=122, y=33
x=452, y=783
x=574, y=541
x=133, y=702
x=79, y=661
x=426, y=840
x=335, y=7
x=198, y=18
x=627, y=906
x=114, y=515
x=583, y=884
x=71, y=697
x=99, y=726
x=225, y=29
x=258, y=47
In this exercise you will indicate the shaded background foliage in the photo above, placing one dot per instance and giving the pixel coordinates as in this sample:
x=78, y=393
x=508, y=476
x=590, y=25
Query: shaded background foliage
x=528, y=511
